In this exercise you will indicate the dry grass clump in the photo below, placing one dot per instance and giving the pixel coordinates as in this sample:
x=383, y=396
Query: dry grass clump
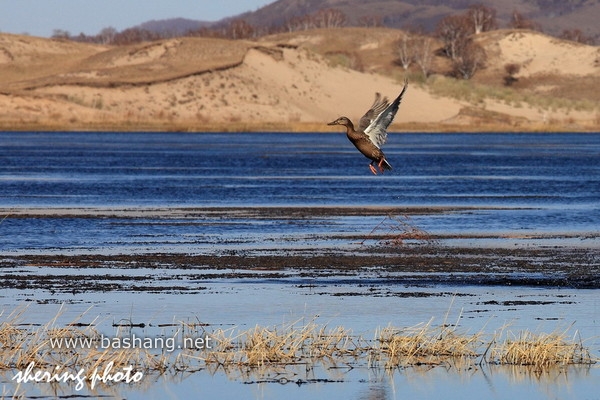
x=261, y=351
x=21, y=346
x=425, y=345
x=541, y=351
x=396, y=230
x=261, y=346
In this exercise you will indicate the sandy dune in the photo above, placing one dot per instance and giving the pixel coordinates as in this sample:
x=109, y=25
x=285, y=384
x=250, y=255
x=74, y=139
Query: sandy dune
x=209, y=84
x=538, y=54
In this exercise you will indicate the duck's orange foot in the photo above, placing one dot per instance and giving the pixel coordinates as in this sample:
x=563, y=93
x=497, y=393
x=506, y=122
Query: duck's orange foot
x=380, y=165
x=373, y=170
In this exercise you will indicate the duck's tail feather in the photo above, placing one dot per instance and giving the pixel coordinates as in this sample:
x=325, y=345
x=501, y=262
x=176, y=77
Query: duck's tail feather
x=385, y=164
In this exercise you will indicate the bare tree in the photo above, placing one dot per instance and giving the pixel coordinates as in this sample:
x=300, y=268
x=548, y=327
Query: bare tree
x=469, y=60
x=482, y=18
x=576, y=35
x=203, y=32
x=518, y=21
x=454, y=31
x=423, y=54
x=370, y=21
x=405, y=48
x=107, y=35
x=329, y=18
x=239, y=29
x=134, y=35
x=60, y=34
x=298, y=23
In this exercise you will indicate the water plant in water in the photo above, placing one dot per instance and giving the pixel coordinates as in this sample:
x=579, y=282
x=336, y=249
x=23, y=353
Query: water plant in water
x=77, y=351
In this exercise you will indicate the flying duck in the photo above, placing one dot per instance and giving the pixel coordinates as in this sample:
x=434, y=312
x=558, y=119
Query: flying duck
x=372, y=129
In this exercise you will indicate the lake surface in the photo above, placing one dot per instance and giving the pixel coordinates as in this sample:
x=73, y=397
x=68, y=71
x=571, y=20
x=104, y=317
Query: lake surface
x=86, y=220
x=554, y=171
x=498, y=184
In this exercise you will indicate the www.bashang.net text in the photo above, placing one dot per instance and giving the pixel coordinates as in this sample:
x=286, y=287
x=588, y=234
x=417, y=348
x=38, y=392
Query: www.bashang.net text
x=133, y=341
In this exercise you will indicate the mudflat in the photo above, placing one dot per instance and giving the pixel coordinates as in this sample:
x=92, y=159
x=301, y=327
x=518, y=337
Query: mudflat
x=397, y=254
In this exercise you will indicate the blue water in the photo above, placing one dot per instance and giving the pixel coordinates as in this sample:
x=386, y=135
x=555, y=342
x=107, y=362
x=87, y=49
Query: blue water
x=69, y=193
x=510, y=182
x=173, y=169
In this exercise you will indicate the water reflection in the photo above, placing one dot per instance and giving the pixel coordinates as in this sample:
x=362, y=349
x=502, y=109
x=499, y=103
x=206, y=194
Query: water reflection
x=292, y=361
x=375, y=391
x=425, y=382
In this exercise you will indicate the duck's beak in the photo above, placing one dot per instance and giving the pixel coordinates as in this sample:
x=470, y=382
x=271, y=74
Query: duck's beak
x=333, y=123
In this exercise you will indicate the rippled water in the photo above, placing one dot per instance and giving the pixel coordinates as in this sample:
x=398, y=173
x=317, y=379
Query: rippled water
x=132, y=193
x=173, y=169
x=503, y=184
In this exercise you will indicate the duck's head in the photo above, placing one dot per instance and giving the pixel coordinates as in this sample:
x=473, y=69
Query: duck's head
x=341, y=121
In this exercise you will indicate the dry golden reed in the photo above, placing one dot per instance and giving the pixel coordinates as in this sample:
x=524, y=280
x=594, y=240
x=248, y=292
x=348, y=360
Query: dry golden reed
x=270, y=348
x=397, y=230
x=539, y=350
x=424, y=344
x=286, y=345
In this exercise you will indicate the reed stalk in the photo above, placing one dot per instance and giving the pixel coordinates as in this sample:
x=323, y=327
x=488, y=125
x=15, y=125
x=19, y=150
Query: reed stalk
x=276, y=348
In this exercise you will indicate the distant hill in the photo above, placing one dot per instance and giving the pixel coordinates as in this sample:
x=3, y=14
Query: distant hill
x=173, y=26
x=552, y=16
x=292, y=81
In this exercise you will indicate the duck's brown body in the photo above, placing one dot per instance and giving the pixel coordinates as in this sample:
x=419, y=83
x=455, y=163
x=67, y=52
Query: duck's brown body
x=362, y=142
x=372, y=130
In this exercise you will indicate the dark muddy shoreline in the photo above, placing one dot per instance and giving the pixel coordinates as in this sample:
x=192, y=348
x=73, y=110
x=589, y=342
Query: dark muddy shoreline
x=305, y=243
x=418, y=265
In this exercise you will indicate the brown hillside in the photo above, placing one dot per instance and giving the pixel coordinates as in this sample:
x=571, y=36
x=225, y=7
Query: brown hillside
x=295, y=81
x=27, y=57
x=552, y=16
x=145, y=63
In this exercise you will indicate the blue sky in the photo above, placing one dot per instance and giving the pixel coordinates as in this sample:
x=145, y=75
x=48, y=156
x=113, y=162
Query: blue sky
x=41, y=17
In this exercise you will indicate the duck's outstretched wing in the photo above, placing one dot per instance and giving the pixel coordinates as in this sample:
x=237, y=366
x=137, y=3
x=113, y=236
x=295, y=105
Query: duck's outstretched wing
x=377, y=108
x=377, y=129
